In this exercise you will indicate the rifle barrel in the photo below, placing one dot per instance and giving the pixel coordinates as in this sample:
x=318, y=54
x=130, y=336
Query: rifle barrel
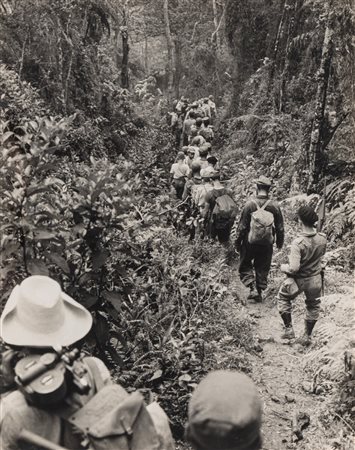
x=32, y=438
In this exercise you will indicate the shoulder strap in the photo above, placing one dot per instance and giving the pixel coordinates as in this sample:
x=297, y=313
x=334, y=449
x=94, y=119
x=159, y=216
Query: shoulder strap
x=265, y=204
x=96, y=374
x=255, y=203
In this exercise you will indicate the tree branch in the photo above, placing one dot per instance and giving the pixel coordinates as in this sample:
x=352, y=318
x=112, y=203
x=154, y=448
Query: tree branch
x=219, y=26
x=334, y=129
x=194, y=30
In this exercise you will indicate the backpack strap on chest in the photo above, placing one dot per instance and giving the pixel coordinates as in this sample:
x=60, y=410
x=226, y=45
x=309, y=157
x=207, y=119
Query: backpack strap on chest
x=255, y=203
x=265, y=204
x=95, y=374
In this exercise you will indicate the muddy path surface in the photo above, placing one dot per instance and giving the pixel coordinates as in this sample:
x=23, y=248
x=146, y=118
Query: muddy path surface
x=285, y=373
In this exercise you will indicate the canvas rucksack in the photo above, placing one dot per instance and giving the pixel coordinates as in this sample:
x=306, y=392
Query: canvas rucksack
x=224, y=211
x=261, y=225
x=115, y=420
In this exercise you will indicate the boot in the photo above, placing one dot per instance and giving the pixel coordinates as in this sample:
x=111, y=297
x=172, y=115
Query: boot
x=305, y=339
x=288, y=329
x=254, y=294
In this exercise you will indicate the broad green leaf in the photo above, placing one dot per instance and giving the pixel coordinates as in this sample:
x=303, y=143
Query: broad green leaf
x=115, y=299
x=6, y=136
x=36, y=190
x=43, y=235
x=99, y=259
x=156, y=375
x=185, y=377
x=37, y=267
x=10, y=249
x=59, y=261
x=102, y=329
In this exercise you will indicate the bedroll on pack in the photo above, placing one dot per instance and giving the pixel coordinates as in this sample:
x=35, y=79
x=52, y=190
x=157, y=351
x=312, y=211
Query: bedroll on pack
x=261, y=226
x=224, y=211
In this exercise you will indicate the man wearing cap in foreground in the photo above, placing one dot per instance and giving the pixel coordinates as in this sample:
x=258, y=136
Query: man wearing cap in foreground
x=225, y=413
x=38, y=318
x=255, y=258
x=303, y=275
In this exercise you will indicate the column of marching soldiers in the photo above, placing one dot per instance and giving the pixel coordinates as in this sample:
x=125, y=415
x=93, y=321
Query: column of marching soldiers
x=54, y=396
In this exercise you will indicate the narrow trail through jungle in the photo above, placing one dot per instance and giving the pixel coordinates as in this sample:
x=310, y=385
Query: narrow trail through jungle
x=280, y=370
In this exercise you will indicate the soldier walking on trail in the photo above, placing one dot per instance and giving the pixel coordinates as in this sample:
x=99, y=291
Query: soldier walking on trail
x=179, y=172
x=261, y=221
x=303, y=275
x=219, y=210
x=225, y=413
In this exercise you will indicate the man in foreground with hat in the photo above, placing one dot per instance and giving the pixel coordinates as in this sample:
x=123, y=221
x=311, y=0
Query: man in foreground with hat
x=225, y=413
x=303, y=275
x=37, y=321
x=260, y=223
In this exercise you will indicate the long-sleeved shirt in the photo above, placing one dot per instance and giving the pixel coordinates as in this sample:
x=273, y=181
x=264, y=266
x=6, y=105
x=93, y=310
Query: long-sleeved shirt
x=307, y=251
x=249, y=208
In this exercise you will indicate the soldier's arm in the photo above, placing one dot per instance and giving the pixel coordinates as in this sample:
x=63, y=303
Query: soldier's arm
x=294, y=259
x=187, y=189
x=279, y=227
x=244, y=224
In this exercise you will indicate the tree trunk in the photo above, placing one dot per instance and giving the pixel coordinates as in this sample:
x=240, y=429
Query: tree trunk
x=216, y=25
x=316, y=150
x=290, y=35
x=177, y=73
x=125, y=52
x=146, y=64
x=275, y=59
x=170, y=46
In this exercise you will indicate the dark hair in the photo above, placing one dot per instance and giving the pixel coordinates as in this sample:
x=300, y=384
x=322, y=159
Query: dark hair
x=264, y=187
x=212, y=160
x=192, y=115
x=199, y=121
x=307, y=215
x=206, y=120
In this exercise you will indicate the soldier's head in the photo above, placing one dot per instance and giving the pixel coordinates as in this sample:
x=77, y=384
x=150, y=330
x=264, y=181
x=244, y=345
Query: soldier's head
x=199, y=121
x=225, y=413
x=39, y=314
x=263, y=184
x=307, y=215
x=195, y=173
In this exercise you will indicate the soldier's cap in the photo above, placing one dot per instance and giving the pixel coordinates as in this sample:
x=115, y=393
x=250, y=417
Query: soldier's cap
x=225, y=413
x=263, y=181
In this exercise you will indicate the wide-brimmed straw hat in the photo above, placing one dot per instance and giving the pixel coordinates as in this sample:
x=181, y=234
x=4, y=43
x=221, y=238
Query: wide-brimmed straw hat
x=39, y=314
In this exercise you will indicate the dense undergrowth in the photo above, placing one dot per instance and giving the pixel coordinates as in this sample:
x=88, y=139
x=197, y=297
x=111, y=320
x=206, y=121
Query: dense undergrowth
x=99, y=223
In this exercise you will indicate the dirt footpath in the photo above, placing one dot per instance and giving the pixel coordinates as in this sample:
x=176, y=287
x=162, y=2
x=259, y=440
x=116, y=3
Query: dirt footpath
x=294, y=380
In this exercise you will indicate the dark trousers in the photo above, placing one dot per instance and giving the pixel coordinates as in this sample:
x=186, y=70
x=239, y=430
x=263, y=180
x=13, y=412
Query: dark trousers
x=222, y=234
x=179, y=185
x=255, y=263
